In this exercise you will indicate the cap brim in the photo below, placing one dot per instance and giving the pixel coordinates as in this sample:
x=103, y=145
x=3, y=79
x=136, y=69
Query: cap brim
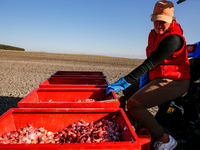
x=161, y=18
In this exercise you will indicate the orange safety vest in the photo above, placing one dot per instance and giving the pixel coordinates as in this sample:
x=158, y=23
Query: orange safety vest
x=175, y=66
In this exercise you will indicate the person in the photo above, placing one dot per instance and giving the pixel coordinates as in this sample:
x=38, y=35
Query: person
x=168, y=70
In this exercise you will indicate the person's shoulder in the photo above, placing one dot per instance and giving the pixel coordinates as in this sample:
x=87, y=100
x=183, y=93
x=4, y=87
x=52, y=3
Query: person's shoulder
x=173, y=40
x=174, y=37
x=152, y=33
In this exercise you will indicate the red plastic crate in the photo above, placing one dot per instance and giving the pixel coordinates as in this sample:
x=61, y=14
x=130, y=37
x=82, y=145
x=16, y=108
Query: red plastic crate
x=74, y=82
x=56, y=119
x=64, y=98
x=92, y=74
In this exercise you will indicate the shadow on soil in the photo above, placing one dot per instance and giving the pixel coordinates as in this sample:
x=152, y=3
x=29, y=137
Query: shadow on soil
x=8, y=102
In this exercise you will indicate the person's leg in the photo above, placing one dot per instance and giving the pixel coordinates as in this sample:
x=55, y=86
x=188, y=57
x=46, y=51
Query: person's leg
x=154, y=93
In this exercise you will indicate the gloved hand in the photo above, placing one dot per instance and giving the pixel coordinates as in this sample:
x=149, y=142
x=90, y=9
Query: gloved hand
x=120, y=85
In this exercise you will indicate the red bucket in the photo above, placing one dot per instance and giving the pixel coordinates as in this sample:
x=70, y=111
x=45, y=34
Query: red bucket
x=55, y=119
x=65, y=98
x=83, y=74
x=74, y=82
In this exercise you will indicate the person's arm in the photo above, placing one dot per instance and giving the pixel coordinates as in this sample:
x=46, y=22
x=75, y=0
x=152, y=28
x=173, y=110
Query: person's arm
x=166, y=48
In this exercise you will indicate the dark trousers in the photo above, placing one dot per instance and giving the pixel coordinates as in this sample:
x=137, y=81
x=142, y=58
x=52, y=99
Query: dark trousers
x=154, y=93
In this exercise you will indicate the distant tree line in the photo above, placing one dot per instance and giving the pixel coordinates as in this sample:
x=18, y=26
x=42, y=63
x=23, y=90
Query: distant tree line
x=7, y=47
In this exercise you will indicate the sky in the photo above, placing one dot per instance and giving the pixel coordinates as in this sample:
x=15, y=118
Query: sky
x=117, y=28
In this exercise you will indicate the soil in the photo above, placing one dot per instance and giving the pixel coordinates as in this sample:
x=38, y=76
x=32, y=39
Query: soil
x=22, y=71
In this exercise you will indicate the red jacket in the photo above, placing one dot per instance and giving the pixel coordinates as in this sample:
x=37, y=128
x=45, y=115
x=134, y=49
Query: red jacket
x=175, y=66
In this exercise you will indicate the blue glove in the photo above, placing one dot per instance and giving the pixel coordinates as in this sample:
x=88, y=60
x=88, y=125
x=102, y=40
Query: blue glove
x=120, y=85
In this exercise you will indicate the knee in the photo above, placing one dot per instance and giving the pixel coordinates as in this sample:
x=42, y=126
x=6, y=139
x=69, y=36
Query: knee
x=131, y=104
x=134, y=105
